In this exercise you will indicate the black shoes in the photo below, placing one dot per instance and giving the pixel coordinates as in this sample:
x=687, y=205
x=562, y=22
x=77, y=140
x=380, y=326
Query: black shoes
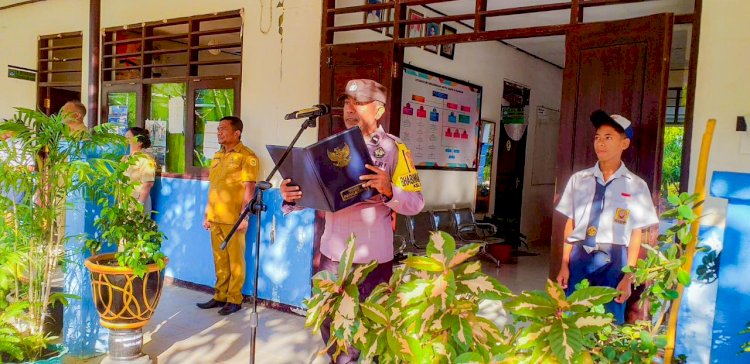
x=212, y=303
x=229, y=309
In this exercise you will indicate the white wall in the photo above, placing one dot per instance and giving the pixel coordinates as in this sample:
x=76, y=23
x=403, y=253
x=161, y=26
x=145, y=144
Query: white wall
x=270, y=68
x=20, y=28
x=722, y=92
x=486, y=64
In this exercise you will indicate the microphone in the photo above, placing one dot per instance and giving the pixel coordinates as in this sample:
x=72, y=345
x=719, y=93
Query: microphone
x=311, y=112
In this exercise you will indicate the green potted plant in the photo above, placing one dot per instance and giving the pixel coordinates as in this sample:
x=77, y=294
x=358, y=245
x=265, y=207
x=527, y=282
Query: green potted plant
x=127, y=284
x=32, y=228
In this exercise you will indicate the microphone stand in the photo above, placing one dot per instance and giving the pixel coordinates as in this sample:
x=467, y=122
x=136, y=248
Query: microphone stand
x=257, y=206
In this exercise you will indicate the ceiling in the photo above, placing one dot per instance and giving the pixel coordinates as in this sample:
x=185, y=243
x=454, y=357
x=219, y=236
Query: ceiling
x=552, y=49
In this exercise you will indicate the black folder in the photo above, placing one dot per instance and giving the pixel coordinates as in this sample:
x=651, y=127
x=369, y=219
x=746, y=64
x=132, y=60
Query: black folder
x=328, y=171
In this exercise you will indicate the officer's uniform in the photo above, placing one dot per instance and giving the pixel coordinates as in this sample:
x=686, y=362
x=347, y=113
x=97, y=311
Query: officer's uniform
x=230, y=169
x=370, y=221
x=604, y=215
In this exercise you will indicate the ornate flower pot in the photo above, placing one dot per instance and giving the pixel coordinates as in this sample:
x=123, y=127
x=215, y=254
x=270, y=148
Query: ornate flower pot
x=125, y=304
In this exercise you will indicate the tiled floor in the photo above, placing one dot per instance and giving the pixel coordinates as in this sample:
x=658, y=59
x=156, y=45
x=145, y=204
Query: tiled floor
x=182, y=333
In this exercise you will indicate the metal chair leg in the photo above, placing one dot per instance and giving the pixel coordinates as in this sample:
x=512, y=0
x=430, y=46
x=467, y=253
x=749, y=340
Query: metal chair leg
x=483, y=251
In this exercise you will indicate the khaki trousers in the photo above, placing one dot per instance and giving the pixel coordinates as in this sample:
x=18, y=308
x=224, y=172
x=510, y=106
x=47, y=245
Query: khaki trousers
x=229, y=263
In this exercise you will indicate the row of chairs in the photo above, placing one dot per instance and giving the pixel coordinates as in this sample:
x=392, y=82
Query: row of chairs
x=460, y=223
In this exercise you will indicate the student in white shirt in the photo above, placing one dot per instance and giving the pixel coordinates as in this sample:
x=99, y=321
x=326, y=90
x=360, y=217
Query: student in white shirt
x=607, y=207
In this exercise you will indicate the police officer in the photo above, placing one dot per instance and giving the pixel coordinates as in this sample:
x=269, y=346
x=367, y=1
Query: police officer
x=397, y=182
x=234, y=170
x=607, y=207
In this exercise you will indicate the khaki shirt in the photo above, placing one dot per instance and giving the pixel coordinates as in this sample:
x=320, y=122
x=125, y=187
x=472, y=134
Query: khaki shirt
x=142, y=171
x=230, y=169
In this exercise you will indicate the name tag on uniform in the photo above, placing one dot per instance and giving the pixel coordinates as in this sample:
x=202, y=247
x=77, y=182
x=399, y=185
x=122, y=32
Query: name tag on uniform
x=622, y=215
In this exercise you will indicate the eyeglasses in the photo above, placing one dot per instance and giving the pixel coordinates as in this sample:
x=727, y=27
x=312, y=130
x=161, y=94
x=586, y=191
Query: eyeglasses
x=356, y=103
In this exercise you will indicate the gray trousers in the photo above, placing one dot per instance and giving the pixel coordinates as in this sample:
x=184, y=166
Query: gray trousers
x=381, y=273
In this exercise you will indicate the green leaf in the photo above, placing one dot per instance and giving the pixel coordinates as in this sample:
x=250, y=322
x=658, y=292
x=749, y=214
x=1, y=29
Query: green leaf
x=683, y=277
x=686, y=213
x=347, y=258
x=673, y=200
x=462, y=334
x=441, y=246
x=469, y=358
x=463, y=254
x=63, y=297
x=361, y=272
x=646, y=339
x=590, y=322
x=592, y=296
x=411, y=292
x=376, y=313
x=671, y=294
x=565, y=341
x=556, y=293
x=532, y=304
x=483, y=286
x=426, y=264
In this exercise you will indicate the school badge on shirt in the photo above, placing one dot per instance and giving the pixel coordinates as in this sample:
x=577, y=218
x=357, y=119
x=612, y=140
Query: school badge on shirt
x=622, y=215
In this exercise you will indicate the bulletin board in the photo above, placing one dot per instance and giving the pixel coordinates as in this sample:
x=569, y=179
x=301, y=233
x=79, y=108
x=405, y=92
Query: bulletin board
x=440, y=119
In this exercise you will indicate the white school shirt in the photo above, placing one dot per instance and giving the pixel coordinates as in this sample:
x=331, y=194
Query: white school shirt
x=627, y=205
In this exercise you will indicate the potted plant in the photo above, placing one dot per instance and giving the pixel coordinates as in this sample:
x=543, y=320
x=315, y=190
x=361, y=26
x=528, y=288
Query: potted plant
x=41, y=166
x=127, y=284
x=428, y=310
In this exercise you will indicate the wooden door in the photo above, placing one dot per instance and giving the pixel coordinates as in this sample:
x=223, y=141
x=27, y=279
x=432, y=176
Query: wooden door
x=379, y=61
x=621, y=67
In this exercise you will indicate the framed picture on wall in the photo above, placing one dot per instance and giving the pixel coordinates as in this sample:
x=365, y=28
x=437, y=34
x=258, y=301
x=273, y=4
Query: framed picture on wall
x=448, y=50
x=432, y=30
x=374, y=16
x=415, y=30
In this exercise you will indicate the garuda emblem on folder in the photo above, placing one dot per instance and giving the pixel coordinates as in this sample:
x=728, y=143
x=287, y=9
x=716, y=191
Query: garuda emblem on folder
x=340, y=156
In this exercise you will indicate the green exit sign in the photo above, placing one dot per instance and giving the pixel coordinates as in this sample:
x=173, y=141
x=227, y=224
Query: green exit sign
x=21, y=74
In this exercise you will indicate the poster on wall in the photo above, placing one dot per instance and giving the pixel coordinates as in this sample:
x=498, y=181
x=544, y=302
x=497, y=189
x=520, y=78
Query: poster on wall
x=211, y=140
x=440, y=120
x=118, y=116
x=158, y=131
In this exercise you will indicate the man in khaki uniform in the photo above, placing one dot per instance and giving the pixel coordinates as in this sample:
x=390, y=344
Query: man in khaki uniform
x=234, y=170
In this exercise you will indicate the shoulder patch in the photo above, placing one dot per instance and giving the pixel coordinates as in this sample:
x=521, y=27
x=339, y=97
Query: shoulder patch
x=405, y=175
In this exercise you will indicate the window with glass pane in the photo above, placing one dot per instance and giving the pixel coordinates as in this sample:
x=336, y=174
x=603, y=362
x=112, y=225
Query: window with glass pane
x=166, y=123
x=210, y=106
x=122, y=110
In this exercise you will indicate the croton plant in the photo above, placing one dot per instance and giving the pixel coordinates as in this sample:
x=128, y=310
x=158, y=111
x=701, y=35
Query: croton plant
x=429, y=310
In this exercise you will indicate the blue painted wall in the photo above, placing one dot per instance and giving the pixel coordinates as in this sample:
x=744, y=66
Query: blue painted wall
x=733, y=295
x=286, y=242
x=694, y=326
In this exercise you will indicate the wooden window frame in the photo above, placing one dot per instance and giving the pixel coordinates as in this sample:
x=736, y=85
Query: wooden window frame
x=130, y=87
x=144, y=33
x=192, y=87
x=45, y=60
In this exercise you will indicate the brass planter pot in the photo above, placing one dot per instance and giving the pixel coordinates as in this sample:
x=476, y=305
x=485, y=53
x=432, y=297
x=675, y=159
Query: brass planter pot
x=123, y=300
